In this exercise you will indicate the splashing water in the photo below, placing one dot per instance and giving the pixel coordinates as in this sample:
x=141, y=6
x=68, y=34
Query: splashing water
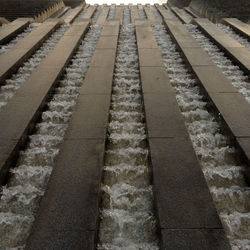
x=20, y=198
x=239, y=80
x=127, y=219
x=217, y=157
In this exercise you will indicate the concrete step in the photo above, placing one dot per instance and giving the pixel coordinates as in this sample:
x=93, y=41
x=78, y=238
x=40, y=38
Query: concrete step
x=17, y=55
x=174, y=163
x=134, y=13
x=60, y=12
x=233, y=49
x=166, y=13
x=150, y=15
x=84, y=145
x=10, y=30
x=238, y=26
x=230, y=104
x=183, y=16
x=119, y=14
x=22, y=111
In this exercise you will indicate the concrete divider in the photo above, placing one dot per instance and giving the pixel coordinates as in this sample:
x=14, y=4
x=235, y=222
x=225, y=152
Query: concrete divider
x=119, y=14
x=10, y=30
x=69, y=211
x=3, y=20
x=150, y=15
x=230, y=104
x=182, y=15
x=165, y=13
x=134, y=13
x=191, y=12
x=103, y=16
x=73, y=15
x=184, y=206
x=90, y=12
x=16, y=56
x=238, y=26
x=20, y=114
x=233, y=49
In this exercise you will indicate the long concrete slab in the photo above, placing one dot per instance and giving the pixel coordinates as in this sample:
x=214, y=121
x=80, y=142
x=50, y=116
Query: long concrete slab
x=134, y=13
x=191, y=12
x=3, y=20
x=90, y=12
x=183, y=201
x=10, y=30
x=150, y=15
x=73, y=15
x=119, y=14
x=233, y=49
x=183, y=16
x=22, y=111
x=69, y=211
x=239, y=26
x=103, y=16
x=166, y=13
x=231, y=105
x=15, y=57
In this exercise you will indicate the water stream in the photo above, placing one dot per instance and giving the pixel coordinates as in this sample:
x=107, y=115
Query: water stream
x=239, y=80
x=218, y=158
x=11, y=85
x=20, y=198
x=127, y=218
x=26, y=32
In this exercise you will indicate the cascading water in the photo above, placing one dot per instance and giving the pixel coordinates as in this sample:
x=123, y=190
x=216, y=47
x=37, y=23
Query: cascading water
x=156, y=13
x=96, y=14
x=20, y=198
x=127, y=219
x=239, y=80
x=218, y=159
x=111, y=14
x=18, y=38
x=227, y=29
x=11, y=85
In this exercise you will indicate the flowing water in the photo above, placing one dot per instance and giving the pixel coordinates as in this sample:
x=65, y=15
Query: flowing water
x=142, y=13
x=9, y=45
x=227, y=29
x=127, y=219
x=11, y=85
x=111, y=14
x=20, y=198
x=218, y=158
x=96, y=14
x=239, y=80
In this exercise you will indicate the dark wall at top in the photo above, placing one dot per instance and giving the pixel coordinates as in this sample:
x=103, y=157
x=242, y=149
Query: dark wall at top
x=180, y=3
x=12, y=9
x=72, y=3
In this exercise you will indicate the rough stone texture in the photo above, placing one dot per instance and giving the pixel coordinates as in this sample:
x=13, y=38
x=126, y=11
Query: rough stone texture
x=12, y=59
x=21, y=112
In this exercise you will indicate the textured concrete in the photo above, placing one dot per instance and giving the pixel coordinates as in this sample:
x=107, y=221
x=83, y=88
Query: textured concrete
x=73, y=15
x=119, y=14
x=150, y=15
x=13, y=58
x=59, y=224
x=182, y=198
x=22, y=111
x=103, y=16
x=10, y=30
x=232, y=48
x=134, y=13
x=182, y=15
x=90, y=12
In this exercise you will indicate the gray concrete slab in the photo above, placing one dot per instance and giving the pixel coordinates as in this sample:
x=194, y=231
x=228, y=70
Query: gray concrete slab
x=90, y=12
x=150, y=57
x=144, y=39
x=234, y=50
x=13, y=58
x=119, y=14
x=106, y=55
x=150, y=15
x=79, y=184
x=3, y=20
x=107, y=42
x=190, y=239
x=191, y=12
x=73, y=15
x=103, y=16
x=110, y=30
x=238, y=26
x=182, y=198
x=134, y=13
x=166, y=14
x=20, y=114
x=10, y=30
x=182, y=15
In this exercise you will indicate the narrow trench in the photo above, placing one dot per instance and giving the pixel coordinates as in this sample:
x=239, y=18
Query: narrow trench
x=127, y=217
x=20, y=197
x=217, y=156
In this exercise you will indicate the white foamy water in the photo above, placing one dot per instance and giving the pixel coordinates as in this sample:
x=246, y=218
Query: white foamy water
x=217, y=156
x=239, y=80
x=97, y=14
x=11, y=85
x=20, y=198
x=9, y=45
x=230, y=31
x=127, y=219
